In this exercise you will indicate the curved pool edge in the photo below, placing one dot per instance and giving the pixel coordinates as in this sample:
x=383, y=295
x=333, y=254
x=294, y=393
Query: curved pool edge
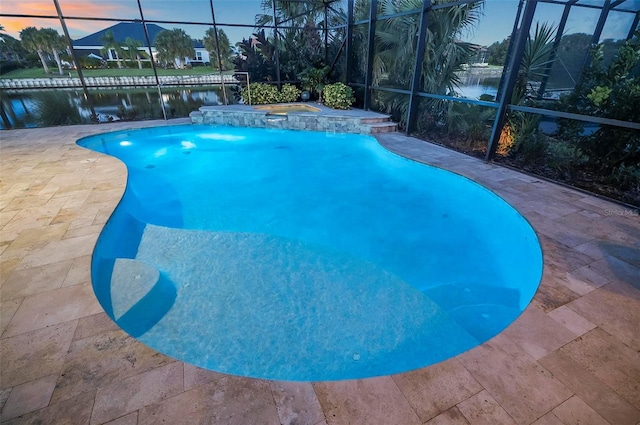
x=491, y=191
x=387, y=149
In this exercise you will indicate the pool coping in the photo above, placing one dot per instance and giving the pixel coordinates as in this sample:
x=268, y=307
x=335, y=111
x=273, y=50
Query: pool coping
x=63, y=360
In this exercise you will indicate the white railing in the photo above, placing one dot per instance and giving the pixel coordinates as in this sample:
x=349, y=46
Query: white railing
x=120, y=81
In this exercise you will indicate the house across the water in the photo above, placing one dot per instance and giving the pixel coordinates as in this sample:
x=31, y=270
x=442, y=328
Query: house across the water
x=93, y=45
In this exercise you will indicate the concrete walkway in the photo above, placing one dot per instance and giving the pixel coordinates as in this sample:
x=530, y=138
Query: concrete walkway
x=572, y=357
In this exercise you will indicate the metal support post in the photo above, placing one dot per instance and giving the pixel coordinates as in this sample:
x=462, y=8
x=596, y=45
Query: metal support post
x=511, y=77
x=85, y=90
x=370, y=51
x=153, y=62
x=417, y=65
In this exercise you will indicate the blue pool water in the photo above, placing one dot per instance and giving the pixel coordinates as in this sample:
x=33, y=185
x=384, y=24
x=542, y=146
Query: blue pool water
x=304, y=256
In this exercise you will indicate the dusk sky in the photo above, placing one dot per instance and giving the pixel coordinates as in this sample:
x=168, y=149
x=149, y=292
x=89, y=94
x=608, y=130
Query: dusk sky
x=494, y=26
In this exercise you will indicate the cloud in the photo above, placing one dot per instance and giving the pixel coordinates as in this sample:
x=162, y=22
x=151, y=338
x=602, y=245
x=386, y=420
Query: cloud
x=75, y=8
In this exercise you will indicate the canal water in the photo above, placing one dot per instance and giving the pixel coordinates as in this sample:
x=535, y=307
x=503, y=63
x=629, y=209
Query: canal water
x=42, y=108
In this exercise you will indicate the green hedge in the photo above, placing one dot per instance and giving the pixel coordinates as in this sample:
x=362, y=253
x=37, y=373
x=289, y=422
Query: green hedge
x=262, y=93
x=338, y=96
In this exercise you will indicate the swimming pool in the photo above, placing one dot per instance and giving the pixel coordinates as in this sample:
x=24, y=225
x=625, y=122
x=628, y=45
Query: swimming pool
x=304, y=255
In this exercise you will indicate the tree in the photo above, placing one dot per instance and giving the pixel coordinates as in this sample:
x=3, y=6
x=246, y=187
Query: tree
x=33, y=41
x=300, y=42
x=395, y=51
x=498, y=52
x=224, y=45
x=133, y=51
x=11, y=50
x=55, y=43
x=256, y=57
x=174, y=44
x=110, y=43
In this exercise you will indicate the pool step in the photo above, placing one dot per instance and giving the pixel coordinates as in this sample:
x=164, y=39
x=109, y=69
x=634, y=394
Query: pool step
x=383, y=127
x=375, y=120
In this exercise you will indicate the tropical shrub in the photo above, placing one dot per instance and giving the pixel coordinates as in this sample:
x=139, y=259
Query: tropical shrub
x=338, y=96
x=611, y=91
x=288, y=93
x=313, y=79
x=261, y=94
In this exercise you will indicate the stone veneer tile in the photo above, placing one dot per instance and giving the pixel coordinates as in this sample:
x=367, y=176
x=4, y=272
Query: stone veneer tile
x=5, y=217
x=22, y=202
x=549, y=419
x=95, y=324
x=7, y=266
x=552, y=292
x=136, y=392
x=576, y=284
x=130, y=419
x=22, y=283
x=103, y=359
x=196, y=377
x=576, y=411
x=7, y=310
x=518, y=383
x=591, y=276
x=613, y=268
x=617, y=313
x=560, y=234
x=452, y=416
x=38, y=217
x=624, y=251
x=62, y=250
x=609, y=360
x=75, y=411
x=435, y=389
x=538, y=334
x=296, y=403
x=38, y=236
x=365, y=401
x=592, y=390
x=592, y=248
x=560, y=256
x=28, y=397
x=571, y=320
x=230, y=400
x=53, y=307
x=75, y=231
x=80, y=271
x=4, y=395
x=35, y=354
x=482, y=409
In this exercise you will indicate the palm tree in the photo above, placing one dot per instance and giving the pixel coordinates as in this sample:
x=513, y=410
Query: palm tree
x=172, y=45
x=395, y=50
x=535, y=60
x=110, y=43
x=55, y=43
x=223, y=43
x=33, y=41
x=133, y=51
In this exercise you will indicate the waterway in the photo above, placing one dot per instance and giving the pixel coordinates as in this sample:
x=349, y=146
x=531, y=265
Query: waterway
x=40, y=108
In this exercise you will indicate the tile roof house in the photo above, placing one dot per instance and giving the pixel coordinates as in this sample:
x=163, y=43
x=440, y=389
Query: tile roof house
x=92, y=44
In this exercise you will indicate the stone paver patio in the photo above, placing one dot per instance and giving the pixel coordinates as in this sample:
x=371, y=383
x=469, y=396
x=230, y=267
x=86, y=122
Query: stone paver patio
x=573, y=357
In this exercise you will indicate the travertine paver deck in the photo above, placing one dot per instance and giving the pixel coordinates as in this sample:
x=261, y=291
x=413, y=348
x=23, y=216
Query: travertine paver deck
x=572, y=357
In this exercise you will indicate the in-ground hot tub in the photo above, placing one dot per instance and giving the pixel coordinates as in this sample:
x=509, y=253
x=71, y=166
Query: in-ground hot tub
x=304, y=255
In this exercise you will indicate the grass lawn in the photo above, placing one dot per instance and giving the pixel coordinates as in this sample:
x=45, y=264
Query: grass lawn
x=110, y=72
